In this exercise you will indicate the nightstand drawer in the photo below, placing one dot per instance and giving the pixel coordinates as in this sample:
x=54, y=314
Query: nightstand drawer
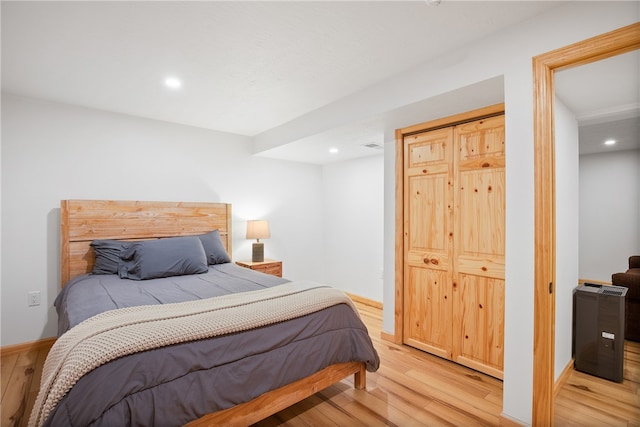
x=273, y=269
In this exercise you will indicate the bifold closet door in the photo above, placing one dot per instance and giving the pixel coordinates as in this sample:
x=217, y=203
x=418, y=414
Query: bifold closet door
x=479, y=245
x=428, y=227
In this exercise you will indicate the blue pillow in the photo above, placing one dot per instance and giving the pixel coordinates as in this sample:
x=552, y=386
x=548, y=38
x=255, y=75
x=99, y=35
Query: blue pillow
x=108, y=255
x=213, y=248
x=174, y=256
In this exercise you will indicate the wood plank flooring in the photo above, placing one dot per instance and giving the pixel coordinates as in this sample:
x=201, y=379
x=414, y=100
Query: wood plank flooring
x=20, y=379
x=586, y=400
x=411, y=388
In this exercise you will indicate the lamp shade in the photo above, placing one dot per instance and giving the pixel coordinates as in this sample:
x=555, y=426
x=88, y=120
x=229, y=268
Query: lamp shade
x=258, y=229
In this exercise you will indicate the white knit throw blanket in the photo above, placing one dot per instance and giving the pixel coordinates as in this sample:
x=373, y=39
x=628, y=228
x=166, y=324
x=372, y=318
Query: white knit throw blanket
x=116, y=333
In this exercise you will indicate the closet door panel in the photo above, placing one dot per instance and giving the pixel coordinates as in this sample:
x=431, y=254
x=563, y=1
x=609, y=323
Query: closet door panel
x=481, y=322
x=481, y=240
x=479, y=163
x=428, y=199
x=481, y=138
x=479, y=246
x=428, y=203
x=428, y=311
x=428, y=218
x=428, y=148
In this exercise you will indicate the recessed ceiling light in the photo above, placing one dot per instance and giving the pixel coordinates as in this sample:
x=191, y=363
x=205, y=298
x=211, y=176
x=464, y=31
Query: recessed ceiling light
x=172, y=83
x=610, y=142
x=333, y=150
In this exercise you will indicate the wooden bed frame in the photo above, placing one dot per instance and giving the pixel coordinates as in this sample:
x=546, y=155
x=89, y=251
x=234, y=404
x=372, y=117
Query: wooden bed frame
x=82, y=221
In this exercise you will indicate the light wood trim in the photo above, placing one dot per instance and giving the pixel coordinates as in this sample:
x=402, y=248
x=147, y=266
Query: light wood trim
x=365, y=301
x=506, y=421
x=228, y=242
x=492, y=110
x=468, y=116
x=563, y=378
x=623, y=40
x=10, y=350
x=399, y=241
x=267, y=261
x=65, y=262
x=82, y=221
x=274, y=401
x=388, y=337
x=607, y=45
x=544, y=248
x=595, y=282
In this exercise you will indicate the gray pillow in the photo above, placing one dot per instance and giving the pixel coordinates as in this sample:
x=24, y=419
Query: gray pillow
x=174, y=256
x=213, y=248
x=108, y=255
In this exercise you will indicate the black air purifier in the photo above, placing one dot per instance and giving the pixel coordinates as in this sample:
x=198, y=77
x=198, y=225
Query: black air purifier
x=598, y=330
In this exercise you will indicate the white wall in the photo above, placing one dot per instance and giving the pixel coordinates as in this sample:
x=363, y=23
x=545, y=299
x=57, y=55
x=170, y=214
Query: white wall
x=353, y=225
x=508, y=53
x=388, y=293
x=609, y=213
x=566, y=149
x=53, y=151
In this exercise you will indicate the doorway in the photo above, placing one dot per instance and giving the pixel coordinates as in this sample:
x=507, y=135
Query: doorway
x=600, y=47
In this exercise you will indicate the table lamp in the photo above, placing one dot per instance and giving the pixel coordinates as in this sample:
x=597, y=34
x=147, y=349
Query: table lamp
x=258, y=229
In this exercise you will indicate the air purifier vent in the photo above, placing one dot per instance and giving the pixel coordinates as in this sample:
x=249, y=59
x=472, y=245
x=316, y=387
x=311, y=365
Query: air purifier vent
x=614, y=292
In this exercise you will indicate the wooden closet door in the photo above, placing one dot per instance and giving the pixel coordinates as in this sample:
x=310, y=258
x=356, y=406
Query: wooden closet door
x=428, y=216
x=479, y=245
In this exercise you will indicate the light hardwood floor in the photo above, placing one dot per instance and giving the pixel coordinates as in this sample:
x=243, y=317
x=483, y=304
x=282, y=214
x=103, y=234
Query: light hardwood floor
x=411, y=388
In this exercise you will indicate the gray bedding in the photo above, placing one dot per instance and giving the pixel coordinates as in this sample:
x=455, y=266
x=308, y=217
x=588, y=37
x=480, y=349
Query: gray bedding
x=89, y=294
x=176, y=384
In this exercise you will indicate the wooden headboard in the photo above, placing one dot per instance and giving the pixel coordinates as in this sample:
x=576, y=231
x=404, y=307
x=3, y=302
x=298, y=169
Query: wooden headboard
x=82, y=221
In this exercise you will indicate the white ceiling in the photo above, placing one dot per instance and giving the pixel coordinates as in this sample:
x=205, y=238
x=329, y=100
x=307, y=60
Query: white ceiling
x=350, y=139
x=605, y=97
x=246, y=67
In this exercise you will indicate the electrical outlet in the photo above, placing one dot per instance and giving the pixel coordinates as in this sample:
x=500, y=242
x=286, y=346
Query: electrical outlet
x=33, y=298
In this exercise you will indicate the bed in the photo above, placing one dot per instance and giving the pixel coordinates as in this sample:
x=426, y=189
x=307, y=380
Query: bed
x=148, y=340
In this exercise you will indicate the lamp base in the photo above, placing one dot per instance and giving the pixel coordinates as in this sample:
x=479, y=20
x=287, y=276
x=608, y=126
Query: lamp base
x=258, y=252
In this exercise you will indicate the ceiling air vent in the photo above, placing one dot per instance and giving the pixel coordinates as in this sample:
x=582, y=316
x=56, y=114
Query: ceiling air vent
x=374, y=146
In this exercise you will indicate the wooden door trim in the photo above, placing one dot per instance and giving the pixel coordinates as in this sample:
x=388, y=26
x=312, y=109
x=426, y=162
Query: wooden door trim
x=468, y=116
x=610, y=44
x=456, y=119
x=398, y=327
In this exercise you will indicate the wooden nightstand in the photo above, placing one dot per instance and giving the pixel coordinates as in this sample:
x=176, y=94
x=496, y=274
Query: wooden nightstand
x=269, y=266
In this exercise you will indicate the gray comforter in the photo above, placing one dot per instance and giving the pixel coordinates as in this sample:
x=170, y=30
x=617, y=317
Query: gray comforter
x=88, y=295
x=176, y=384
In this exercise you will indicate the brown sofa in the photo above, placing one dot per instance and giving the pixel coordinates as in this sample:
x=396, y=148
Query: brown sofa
x=631, y=280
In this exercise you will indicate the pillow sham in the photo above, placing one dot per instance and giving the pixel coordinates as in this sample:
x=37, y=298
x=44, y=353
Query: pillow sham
x=173, y=256
x=213, y=248
x=108, y=255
